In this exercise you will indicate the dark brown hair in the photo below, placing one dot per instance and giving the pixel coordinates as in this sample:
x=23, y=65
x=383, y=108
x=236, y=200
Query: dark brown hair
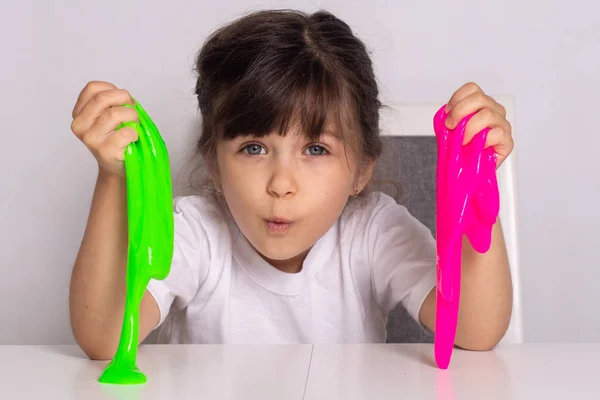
x=270, y=69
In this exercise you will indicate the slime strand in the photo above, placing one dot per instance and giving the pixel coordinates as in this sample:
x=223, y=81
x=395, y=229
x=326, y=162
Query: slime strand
x=150, y=234
x=468, y=203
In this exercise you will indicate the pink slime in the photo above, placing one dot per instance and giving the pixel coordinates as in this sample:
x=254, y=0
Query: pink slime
x=468, y=202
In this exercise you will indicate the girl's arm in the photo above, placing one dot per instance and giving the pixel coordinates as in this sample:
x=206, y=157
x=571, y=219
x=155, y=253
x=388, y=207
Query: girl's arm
x=485, y=297
x=97, y=291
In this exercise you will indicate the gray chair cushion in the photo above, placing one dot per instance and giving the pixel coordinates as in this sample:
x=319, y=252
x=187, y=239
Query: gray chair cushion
x=410, y=162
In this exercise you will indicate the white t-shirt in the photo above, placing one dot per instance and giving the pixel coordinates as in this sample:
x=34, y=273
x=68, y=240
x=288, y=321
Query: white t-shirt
x=220, y=290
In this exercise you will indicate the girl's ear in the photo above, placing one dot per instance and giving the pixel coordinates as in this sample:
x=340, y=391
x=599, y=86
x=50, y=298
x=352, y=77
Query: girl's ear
x=364, y=178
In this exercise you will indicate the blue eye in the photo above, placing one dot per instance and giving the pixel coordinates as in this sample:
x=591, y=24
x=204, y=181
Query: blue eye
x=316, y=150
x=254, y=149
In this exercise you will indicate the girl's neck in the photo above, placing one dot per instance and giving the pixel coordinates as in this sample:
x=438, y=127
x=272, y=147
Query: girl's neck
x=292, y=265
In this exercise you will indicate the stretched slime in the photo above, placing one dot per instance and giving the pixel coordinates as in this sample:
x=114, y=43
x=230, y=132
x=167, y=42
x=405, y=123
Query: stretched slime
x=150, y=235
x=468, y=202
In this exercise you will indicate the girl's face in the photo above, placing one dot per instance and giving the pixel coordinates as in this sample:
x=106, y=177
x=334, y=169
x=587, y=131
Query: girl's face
x=285, y=192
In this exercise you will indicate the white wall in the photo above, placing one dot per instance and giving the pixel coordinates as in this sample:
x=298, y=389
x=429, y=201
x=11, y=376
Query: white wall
x=543, y=53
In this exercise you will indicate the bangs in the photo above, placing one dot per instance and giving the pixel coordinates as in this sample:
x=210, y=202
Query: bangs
x=304, y=95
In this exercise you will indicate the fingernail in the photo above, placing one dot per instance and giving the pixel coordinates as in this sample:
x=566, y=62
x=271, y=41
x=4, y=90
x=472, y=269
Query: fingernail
x=448, y=108
x=449, y=122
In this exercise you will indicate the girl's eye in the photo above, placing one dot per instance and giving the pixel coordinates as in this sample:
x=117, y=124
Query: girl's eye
x=254, y=149
x=316, y=150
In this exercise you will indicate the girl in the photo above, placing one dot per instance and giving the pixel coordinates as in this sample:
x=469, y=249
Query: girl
x=290, y=246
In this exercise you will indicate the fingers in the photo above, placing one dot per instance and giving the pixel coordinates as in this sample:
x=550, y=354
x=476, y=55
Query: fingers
x=115, y=144
x=486, y=118
x=502, y=142
x=95, y=106
x=464, y=91
x=90, y=90
x=472, y=103
x=469, y=99
x=106, y=124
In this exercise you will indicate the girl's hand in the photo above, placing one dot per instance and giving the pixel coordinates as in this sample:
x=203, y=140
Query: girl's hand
x=96, y=115
x=468, y=99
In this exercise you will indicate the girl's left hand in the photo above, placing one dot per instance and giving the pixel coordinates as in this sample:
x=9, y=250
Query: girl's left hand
x=471, y=99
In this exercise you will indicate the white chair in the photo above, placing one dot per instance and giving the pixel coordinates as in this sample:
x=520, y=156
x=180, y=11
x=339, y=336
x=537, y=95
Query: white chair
x=416, y=121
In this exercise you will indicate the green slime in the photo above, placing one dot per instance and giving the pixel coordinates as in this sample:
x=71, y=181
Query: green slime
x=150, y=235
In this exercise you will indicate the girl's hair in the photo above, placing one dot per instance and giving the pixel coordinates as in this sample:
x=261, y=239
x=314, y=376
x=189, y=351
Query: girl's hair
x=271, y=69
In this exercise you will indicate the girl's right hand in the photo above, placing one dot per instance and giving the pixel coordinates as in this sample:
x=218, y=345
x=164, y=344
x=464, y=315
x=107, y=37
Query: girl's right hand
x=97, y=113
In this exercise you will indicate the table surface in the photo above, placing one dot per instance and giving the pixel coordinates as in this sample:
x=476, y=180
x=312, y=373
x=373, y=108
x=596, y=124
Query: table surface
x=374, y=371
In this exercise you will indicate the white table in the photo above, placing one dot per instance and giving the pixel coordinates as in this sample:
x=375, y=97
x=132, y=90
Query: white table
x=531, y=371
x=174, y=372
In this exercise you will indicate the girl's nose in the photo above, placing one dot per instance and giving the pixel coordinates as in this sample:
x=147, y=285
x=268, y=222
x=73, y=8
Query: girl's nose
x=282, y=182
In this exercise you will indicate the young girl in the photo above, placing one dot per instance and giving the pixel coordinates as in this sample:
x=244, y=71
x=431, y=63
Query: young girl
x=290, y=247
